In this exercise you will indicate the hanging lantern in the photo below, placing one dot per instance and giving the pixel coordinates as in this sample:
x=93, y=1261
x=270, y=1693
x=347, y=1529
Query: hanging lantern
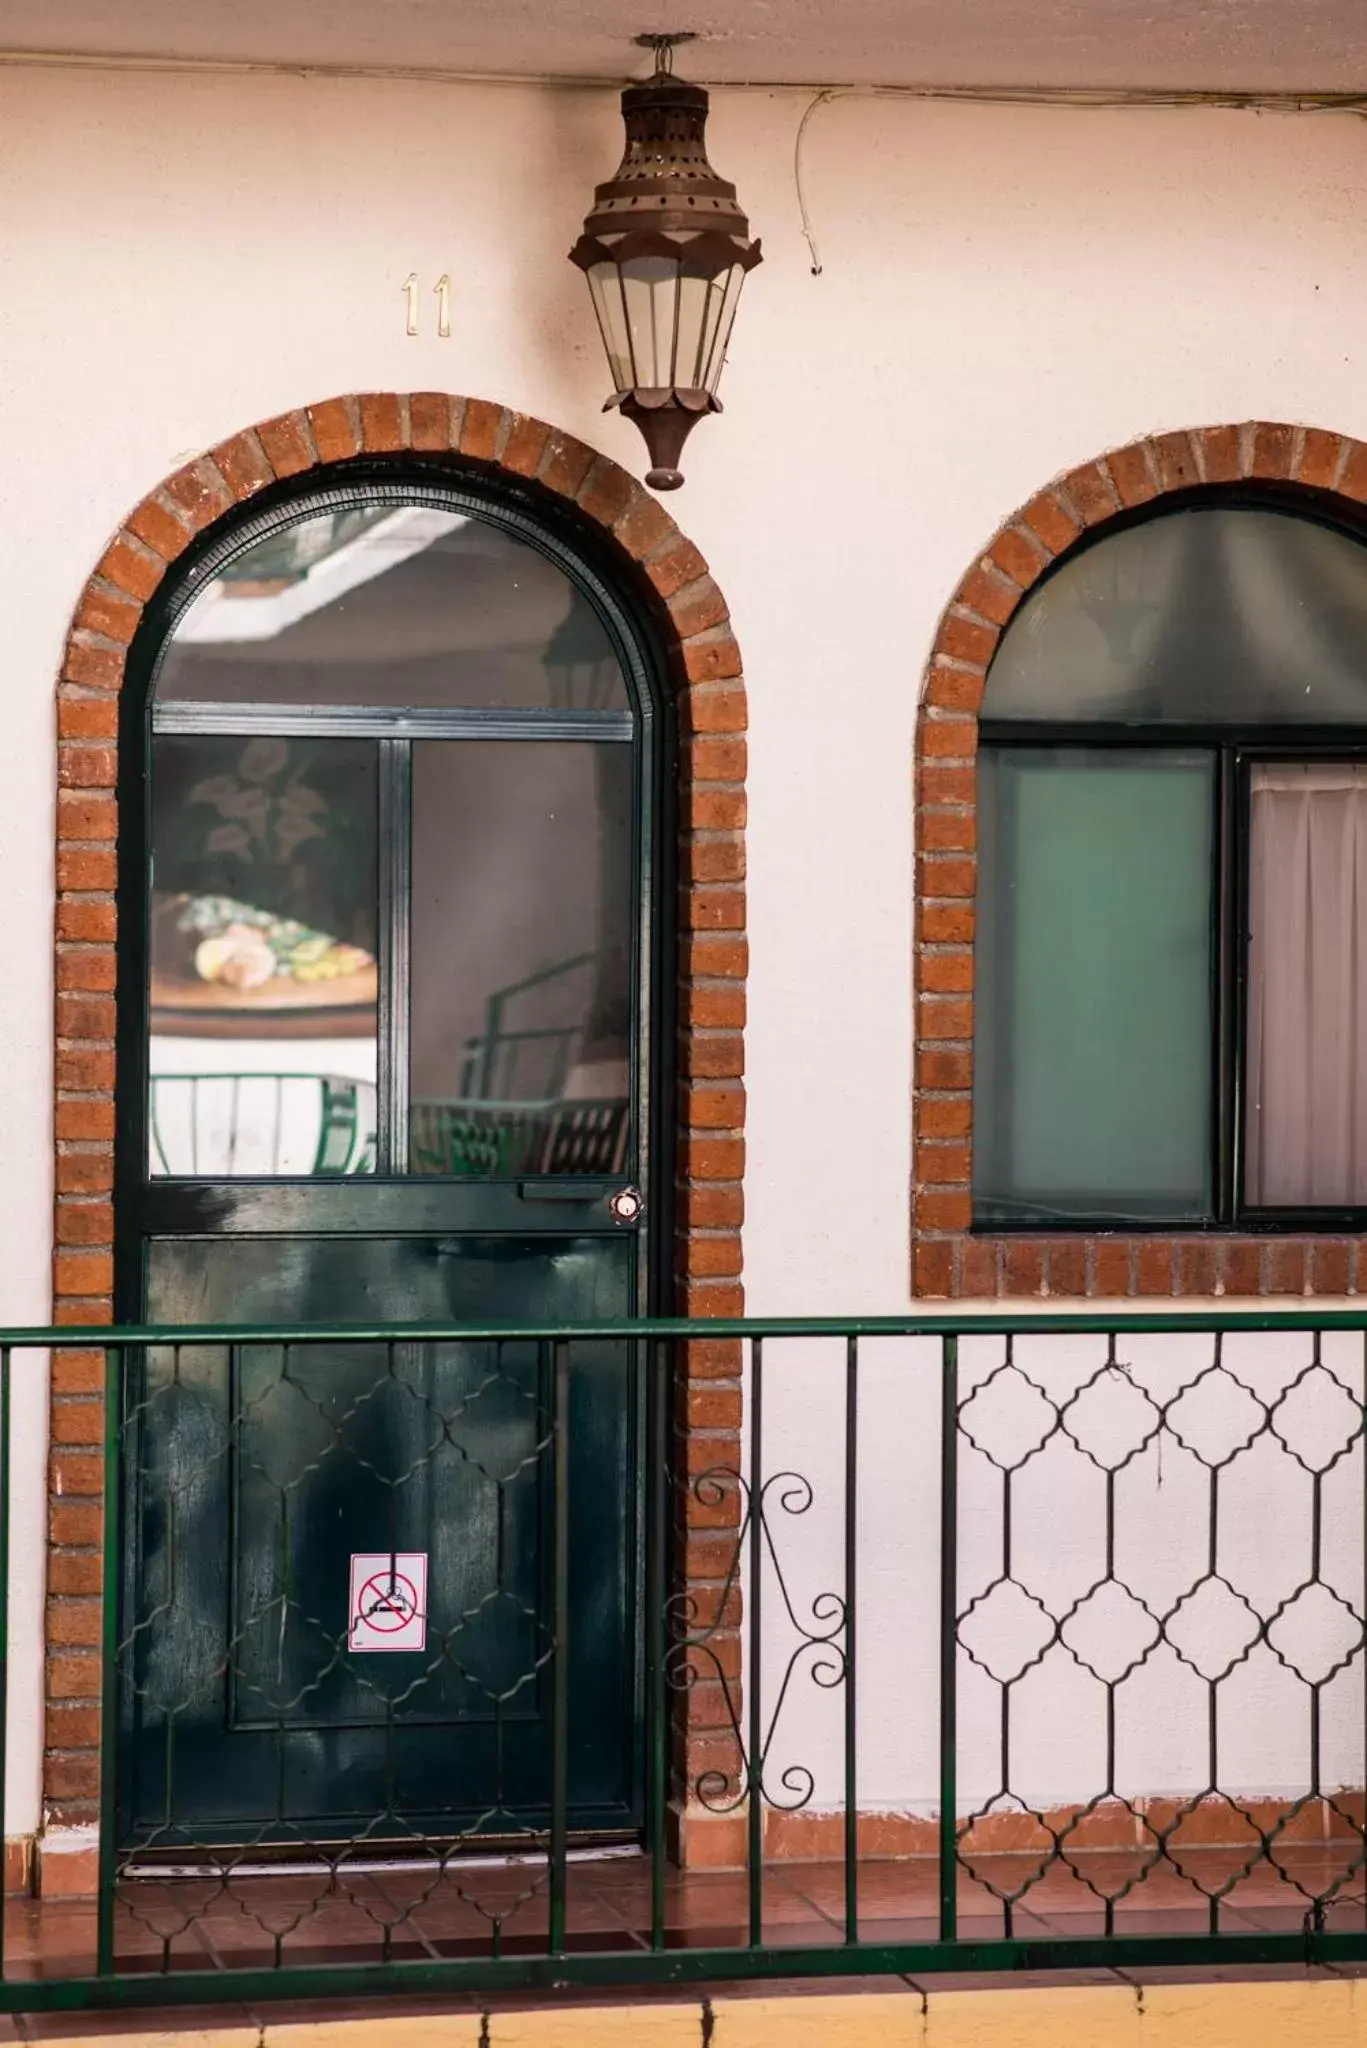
x=665, y=249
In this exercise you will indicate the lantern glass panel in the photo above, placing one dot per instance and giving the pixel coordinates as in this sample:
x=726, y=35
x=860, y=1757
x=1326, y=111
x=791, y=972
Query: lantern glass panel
x=723, y=299
x=651, y=286
x=605, y=287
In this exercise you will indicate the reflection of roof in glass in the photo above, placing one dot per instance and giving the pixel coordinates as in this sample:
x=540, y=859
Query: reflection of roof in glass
x=1210, y=615
x=420, y=607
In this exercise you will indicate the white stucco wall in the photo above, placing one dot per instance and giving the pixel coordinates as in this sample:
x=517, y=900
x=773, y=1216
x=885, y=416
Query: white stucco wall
x=1005, y=293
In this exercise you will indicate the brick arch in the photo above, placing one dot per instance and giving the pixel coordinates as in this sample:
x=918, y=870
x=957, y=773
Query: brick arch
x=948, y=1262
x=692, y=624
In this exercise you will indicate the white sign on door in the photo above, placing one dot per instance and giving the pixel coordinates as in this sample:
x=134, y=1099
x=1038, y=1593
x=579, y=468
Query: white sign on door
x=388, y=1604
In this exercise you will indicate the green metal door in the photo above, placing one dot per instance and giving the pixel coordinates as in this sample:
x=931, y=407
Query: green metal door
x=391, y=1066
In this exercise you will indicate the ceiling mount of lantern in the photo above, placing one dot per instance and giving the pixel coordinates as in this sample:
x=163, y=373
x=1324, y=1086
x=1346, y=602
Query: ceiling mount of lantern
x=665, y=250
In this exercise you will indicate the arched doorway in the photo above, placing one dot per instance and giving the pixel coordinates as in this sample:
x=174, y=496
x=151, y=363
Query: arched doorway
x=392, y=1029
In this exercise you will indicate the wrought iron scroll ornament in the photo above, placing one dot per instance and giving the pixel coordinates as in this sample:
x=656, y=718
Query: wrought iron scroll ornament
x=693, y=1652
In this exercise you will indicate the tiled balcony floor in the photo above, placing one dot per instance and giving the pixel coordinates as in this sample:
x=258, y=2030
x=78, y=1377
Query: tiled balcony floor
x=411, y=1915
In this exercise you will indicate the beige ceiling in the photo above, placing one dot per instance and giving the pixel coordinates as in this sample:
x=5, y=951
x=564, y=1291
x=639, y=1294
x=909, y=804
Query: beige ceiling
x=1255, y=45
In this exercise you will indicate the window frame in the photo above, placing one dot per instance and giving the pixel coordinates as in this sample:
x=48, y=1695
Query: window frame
x=1236, y=749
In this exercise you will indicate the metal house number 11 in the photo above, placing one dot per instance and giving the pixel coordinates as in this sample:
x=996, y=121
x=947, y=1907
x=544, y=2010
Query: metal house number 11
x=442, y=288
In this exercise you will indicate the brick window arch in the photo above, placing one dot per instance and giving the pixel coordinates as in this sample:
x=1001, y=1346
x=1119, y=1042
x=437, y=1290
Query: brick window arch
x=670, y=580
x=949, y=1259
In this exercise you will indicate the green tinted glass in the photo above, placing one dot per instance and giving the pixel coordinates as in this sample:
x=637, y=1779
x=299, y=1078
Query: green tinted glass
x=1092, y=1059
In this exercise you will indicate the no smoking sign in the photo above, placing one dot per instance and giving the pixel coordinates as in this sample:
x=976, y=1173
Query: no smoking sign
x=388, y=1605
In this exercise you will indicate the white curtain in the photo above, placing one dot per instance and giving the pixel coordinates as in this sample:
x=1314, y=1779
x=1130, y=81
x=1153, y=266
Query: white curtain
x=1306, y=1116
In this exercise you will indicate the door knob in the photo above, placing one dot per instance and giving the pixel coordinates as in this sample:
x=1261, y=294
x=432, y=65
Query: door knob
x=626, y=1205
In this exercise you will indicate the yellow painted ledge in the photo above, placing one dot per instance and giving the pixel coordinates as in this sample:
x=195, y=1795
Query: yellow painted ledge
x=1301, y=2013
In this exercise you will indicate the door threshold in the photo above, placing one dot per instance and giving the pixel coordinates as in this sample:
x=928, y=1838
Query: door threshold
x=377, y=1865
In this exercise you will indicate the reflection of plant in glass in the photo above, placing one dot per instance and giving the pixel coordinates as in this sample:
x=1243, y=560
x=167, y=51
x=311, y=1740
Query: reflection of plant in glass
x=262, y=822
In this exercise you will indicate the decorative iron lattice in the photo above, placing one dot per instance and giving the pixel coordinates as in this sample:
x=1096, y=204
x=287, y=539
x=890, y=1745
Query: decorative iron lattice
x=1096, y=1586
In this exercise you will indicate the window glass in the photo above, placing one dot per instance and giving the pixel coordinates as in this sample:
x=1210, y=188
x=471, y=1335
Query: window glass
x=520, y=957
x=392, y=604
x=1094, y=1019
x=1306, y=1118
x=1222, y=614
x=264, y=987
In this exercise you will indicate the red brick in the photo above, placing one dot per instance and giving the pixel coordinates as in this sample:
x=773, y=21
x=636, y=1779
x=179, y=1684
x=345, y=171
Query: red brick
x=76, y=1522
x=1154, y=1272
x=675, y=566
x=713, y=1258
x=715, y=1109
x=938, y=784
x=1066, y=1267
x=716, y=1055
x=1018, y=556
x=933, y=1269
x=1111, y=1269
x=952, y=737
x=947, y=924
x=645, y=527
x=944, y=1211
x=87, y=767
x=607, y=492
x=381, y=422
x=86, y=967
x=85, y=1017
x=525, y=445
x=1286, y=1266
x=715, y=859
x=97, y=668
x=954, y=689
x=336, y=429
x=710, y=1358
x=85, y=1223
x=712, y=1159
x=953, y=831
x=200, y=493
x=108, y=612
x=722, y=1007
x=978, y=1269
x=714, y=710
x=243, y=465
x=84, y=1069
x=1241, y=1268
x=86, y=867
x=74, y=1572
x=88, y=1311
x=1330, y=1268
x=713, y=956
x=1219, y=451
x=429, y=421
x=76, y=1372
x=723, y=759
x=715, y=909
x=481, y=430
x=697, y=606
x=162, y=526
x=1174, y=461
x=565, y=464
x=73, y=1677
x=1053, y=526
x=84, y=1173
x=964, y=639
x=988, y=592
x=1320, y=457
x=130, y=568
x=1272, y=446
x=1133, y=478
x=87, y=817
x=72, y=1728
x=944, y=1019
x=710, y=657
x=948, y=875
x=1198, y=1266
x=87, y=718
x=711, y=1207
x=714, y=1298
x=937, y=1067
x=288, y=443
x=716, y=810
x=945, y=973
x=83, y=1118
x=947, y=1118
x=1022, y=1267
x=83, y=1273
x=1091, y=493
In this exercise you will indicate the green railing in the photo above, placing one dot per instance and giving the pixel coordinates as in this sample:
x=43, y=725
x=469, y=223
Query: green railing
x=988, y=1643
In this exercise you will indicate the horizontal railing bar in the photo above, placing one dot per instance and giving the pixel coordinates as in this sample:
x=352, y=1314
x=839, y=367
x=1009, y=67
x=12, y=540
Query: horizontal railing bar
x=632, y=1967
x=933, y=1324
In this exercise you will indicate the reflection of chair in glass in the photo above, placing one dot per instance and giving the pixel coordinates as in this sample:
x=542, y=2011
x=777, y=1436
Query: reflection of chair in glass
x=217, y=1125
x=465, y=1137
x=500, y=1056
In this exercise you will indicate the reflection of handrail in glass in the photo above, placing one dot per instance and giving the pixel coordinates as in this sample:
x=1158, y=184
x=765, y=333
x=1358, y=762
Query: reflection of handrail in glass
x=345, y=1125
x=479, y=1075
x=479, y=1137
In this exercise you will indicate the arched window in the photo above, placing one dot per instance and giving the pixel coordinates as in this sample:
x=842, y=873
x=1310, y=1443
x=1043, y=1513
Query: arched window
x=1171, y=1012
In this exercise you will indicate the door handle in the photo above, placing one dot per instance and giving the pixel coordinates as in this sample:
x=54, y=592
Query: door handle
x=626, y=1206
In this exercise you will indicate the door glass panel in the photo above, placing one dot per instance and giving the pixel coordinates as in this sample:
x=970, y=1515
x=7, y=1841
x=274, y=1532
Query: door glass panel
x=1092, y=1068
x=264, y=985
x=521, y=957
x=392, y=605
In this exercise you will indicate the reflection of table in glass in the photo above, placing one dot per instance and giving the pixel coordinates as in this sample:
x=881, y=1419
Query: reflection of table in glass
x=283, y=1007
